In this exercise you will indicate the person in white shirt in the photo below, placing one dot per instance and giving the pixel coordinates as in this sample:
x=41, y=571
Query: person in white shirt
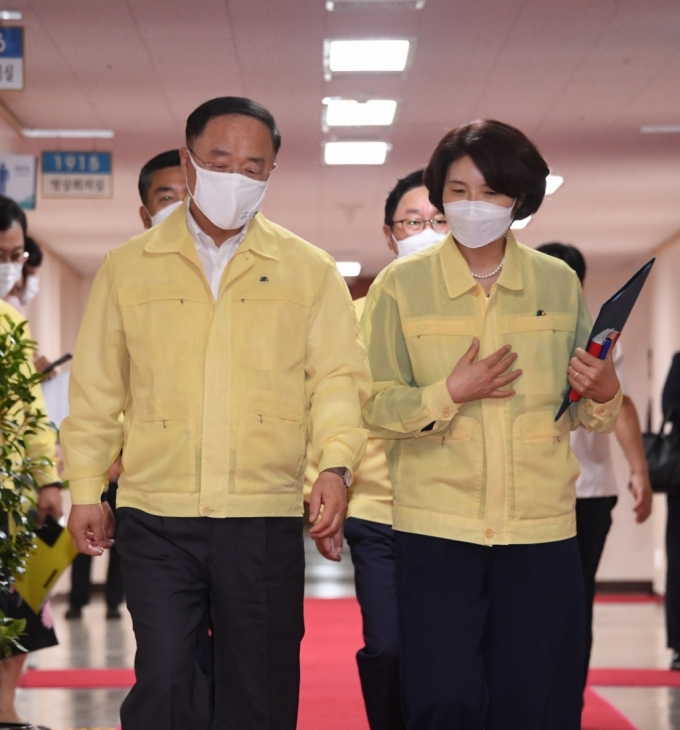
x=596, y=489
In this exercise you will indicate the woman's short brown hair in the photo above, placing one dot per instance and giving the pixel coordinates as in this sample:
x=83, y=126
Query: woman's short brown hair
x=509, y=161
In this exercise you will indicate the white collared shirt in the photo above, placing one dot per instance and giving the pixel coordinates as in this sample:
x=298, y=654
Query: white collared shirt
x=213, y=258
x=593, y=451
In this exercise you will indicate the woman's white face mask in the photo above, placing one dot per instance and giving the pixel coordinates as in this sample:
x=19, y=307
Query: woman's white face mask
x=418, y=242
x=227, y=199
x=164, y=213
x=475, y=223
x=10, y=274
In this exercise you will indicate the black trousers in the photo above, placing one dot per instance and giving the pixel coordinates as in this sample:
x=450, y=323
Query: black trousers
x=593, y=521
x=375, y=575
x=492, y=637
x=673, y=572
x=82, y=565
x=251, y=570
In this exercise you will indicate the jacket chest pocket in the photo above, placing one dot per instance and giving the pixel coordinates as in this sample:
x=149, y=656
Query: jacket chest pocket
x=270, y=327
x=545, y=468
x=543, y=345
x=435, y=344
x=272, y=437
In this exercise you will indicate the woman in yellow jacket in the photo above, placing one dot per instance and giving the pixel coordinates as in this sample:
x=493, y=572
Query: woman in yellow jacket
x=490, y=588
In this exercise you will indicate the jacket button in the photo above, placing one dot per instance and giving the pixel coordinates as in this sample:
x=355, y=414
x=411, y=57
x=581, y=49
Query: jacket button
x=205, y=511
x=446, y=414
x=475, y=292
x=488, y=533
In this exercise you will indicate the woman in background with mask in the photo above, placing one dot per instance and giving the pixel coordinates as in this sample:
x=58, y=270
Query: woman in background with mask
x=489, y=583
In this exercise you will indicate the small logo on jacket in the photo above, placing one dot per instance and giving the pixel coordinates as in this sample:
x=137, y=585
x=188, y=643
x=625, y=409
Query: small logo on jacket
x=264, y=278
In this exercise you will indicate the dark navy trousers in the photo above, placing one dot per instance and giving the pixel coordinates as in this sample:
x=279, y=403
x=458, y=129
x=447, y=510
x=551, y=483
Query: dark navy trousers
x=373, y=554
x=492, y=637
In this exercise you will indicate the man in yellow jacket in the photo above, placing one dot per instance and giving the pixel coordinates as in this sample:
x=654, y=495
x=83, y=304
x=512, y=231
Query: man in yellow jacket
x=226, y=341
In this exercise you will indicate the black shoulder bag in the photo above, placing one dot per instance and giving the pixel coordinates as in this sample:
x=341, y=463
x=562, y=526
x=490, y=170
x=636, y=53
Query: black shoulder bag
x=663, y=458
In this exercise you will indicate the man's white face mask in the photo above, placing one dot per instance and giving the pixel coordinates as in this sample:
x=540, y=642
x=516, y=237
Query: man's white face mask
x=227, y=199
x=10, y=274
x=418, y=242
x=475, y=223
x=164, y=213
x=31, y=289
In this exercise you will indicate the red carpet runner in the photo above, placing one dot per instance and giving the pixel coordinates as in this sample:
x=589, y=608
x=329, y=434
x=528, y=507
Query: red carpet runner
x=330, y=696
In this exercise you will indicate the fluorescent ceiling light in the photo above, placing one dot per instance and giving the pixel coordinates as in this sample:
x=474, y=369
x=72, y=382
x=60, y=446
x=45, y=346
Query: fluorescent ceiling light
x=660, y=129
x=416, y=4
x=349, y=269
x=518, y=225
x=377, y=55
x=552, y=182
x=10, y=15
x=355, y=153
x=351, y=113
x=68, y=133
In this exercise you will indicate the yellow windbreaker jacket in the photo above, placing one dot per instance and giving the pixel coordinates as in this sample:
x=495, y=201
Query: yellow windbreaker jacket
x=218, y=397
x=370, y=496
x=42, y=443
x=492, y=471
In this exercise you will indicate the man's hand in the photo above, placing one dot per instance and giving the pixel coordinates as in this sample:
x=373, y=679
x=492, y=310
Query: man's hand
x=92, y=527
x=472, y=380
x=330, y=491
x=331, y=547
x=40, y=363
x=49, y=503
x=642, y=493
x=592, y=378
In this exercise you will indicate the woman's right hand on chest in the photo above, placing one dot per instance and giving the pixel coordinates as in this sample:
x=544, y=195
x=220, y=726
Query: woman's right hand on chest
x=472, y=380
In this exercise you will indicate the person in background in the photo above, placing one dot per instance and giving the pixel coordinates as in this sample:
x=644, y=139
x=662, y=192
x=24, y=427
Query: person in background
x=25, y=290
x=489, y=583
x=411, y=224
x=162, y=188
x=39, y=627
x=670, y=404
x=225, y=341
x=596, y=490
x=79, y=594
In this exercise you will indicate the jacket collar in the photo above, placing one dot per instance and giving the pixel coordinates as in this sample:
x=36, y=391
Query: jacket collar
x=172, y=236
x=458, y=278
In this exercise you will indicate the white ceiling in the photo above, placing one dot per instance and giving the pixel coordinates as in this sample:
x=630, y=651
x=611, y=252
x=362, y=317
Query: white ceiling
x=579, y=76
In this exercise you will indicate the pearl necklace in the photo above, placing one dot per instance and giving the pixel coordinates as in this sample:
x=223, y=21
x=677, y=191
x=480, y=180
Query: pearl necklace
x=493, y=273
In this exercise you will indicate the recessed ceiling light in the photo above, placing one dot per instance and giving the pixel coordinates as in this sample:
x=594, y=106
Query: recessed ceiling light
x=351, y=113
x=349, y=269
x=367, y=55
x=416, y=4
x=552, y=182
x=68, y=133
x=660, y=129
x=355, y=153
x=10, y=15
x=518, y=225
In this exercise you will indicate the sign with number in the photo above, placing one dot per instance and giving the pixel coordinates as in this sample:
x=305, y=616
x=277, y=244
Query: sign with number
x=76, y=175
x=12, y=58
x=17, y=179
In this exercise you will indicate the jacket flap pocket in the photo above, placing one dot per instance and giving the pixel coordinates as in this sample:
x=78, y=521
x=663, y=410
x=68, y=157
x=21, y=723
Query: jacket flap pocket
x=275, y=405
x=539, y=426
x=416, y=326
x=527, y=323
x=279, y=293
x=461, y=428
x=144, y=294
x=162, y=408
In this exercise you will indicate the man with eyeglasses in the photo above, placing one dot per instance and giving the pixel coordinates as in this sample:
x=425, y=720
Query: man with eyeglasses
x=225, y=341
x=411, y=224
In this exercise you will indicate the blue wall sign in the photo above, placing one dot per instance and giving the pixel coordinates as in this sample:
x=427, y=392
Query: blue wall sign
x=11, y=58
x=76, y=175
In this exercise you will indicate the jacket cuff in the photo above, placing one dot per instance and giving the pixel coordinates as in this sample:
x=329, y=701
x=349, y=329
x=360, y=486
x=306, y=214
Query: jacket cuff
x=336, y=455
x=602, y=417
x=438, y=399
x=88, y=491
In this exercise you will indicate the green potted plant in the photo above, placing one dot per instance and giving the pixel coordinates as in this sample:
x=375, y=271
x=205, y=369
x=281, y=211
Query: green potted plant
x=19, y=419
